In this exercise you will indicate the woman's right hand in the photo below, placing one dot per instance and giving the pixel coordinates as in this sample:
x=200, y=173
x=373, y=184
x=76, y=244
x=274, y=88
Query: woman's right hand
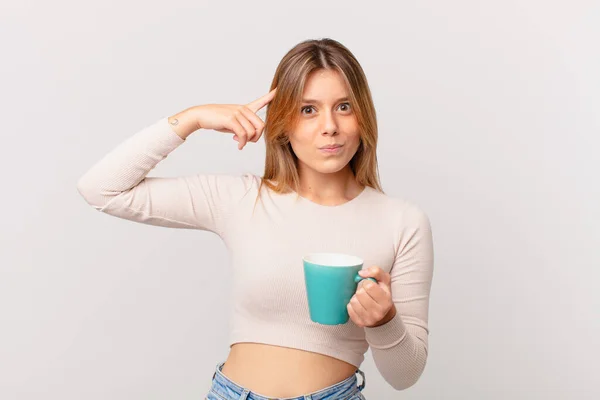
x=241, y=120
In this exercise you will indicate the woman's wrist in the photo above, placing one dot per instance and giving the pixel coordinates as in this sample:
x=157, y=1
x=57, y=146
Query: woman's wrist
x=184, y=123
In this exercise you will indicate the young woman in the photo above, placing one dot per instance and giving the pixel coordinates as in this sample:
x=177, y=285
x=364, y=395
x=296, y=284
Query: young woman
x=320, y=192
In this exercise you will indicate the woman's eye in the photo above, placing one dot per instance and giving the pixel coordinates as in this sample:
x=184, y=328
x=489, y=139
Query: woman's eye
x=346, y=107
x=306, y=108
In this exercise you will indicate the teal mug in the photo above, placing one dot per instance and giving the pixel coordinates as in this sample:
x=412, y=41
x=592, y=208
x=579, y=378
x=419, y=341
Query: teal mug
x=331, y=280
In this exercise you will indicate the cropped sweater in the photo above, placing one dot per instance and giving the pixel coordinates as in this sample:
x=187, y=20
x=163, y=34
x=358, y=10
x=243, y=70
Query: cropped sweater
x=267, y=236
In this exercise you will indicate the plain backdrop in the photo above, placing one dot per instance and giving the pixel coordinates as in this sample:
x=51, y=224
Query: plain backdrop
x=489, y=117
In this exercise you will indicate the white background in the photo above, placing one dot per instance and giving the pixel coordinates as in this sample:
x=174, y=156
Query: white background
x=489, y=115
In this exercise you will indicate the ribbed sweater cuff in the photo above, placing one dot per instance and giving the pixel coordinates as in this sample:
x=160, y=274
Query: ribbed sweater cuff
x=166, y=133
x=387, y=335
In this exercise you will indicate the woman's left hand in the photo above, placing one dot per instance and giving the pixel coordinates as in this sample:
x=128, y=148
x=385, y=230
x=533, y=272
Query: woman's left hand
x=372, y=303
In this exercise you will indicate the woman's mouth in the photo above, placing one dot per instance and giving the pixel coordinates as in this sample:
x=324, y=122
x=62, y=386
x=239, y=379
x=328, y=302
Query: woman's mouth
x=332, y=149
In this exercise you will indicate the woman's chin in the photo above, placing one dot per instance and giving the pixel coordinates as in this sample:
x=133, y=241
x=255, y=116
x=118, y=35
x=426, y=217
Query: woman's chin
x=330, y=167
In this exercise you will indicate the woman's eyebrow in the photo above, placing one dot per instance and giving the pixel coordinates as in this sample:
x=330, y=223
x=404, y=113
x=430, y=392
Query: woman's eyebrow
x=318, y=102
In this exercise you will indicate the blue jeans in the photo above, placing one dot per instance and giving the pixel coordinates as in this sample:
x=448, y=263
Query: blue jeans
x=224, y=389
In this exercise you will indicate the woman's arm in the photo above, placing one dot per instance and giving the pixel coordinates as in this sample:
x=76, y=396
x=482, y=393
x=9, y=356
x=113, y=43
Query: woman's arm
x=399, y=346
x=185, y=122
x=117, y=185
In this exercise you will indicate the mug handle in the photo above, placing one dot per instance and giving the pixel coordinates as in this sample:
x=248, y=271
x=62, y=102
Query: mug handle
x=359, y=278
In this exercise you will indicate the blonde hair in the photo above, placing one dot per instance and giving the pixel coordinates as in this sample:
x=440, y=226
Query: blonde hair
x=283, y=113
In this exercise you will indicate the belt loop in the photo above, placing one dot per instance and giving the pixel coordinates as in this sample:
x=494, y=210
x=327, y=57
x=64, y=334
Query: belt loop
x=215, y=372
x=219, y=367
x=364, y=381
x=244, y=394
x=308, y=397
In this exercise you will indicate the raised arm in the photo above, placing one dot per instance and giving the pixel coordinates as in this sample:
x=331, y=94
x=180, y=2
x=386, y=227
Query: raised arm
x=118, y=184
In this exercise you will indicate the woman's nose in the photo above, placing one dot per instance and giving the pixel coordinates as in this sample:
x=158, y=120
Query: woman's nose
x=329, y=124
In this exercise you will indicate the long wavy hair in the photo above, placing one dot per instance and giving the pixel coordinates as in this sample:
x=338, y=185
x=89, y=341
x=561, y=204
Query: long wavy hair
x=283, y=113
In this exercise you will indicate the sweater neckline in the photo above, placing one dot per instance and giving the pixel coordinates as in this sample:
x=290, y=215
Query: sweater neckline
x=348, y=203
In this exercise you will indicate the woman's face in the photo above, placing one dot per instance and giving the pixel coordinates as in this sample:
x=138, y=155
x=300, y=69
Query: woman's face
x=326, y=119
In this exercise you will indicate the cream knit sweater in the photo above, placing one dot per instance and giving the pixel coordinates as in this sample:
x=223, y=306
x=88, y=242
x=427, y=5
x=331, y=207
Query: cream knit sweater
x=267, y=241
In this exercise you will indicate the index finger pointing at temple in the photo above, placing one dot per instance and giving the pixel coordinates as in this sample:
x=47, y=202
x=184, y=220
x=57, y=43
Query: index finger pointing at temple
x=261, y=101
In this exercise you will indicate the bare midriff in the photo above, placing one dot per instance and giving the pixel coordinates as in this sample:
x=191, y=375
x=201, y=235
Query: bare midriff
x=274, y=371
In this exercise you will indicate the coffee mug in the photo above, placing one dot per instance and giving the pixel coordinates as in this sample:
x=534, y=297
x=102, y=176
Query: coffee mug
x=331, y=279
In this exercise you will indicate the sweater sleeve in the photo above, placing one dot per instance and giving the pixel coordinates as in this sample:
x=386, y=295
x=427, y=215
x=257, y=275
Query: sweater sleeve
x=117, y=185
x=399, y=347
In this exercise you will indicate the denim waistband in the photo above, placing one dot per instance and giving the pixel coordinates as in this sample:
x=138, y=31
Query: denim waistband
x=343, y=389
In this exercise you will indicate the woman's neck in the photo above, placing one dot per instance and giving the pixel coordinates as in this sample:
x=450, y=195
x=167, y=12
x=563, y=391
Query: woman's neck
x=329, y=189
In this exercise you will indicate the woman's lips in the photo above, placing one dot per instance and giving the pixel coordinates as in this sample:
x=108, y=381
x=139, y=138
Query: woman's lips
x=331, y=150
